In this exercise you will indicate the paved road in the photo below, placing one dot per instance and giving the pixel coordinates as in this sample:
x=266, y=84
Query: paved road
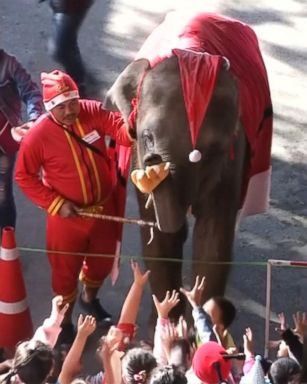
x=112, y=33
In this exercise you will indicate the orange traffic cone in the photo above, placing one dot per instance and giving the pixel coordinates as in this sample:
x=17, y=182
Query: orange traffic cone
x=15, y=318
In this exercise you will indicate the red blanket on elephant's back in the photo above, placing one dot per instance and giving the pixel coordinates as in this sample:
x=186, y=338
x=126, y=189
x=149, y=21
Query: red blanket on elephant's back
x=217, y=35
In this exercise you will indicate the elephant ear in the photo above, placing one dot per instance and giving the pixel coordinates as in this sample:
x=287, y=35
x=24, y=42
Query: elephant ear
x=119, y=96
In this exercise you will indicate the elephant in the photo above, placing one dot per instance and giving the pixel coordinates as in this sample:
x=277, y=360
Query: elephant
x=215, y=167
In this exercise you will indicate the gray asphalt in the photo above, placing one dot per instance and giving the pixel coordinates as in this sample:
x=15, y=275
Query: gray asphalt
x=112, y=33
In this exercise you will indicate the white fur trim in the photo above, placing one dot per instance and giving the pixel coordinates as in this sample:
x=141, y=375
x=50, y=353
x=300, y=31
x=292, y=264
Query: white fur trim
x=60, y=99
x=195, y=156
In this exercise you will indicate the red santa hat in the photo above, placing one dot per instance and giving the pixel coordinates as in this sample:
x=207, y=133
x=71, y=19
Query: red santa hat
x=57, y=88
x=209, y=364
x=198, y=72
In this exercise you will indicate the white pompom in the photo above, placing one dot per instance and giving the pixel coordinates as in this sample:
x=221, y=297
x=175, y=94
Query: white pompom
x=195, y=156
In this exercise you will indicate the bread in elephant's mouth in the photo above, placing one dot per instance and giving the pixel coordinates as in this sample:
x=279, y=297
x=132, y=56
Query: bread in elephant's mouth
x=147, y=180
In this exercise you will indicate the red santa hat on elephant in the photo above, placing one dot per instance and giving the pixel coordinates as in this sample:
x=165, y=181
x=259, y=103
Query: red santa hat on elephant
x=58, y=87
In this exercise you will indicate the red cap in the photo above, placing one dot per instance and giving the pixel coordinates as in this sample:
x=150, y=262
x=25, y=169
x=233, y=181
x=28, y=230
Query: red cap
x=57, y=88
x=204, y=363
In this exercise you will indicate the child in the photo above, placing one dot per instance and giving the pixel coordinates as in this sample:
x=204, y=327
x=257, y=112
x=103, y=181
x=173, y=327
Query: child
x=222, y=313
x=116, y=340
x=213, y=319
x=32, y=364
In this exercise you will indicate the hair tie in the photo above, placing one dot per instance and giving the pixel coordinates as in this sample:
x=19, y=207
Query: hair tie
x=140, y=377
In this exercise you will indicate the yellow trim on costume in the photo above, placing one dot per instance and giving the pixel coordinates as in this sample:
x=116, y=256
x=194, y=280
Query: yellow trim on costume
x=77, y=162
x=88, y=282
x=57, y=207
x=54, y=204
x=94, y=165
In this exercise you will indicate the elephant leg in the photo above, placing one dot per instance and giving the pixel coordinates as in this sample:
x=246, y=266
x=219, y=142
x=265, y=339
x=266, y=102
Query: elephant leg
x=216, y=214
x=212, y=242
x=214, y=230
x=165, y=275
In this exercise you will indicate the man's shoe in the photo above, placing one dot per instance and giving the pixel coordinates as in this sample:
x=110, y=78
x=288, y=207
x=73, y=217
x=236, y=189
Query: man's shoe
x=67, y=335
x=94, y=308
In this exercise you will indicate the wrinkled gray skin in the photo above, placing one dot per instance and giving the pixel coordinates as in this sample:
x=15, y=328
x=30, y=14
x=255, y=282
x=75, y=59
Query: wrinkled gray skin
x=211, y=187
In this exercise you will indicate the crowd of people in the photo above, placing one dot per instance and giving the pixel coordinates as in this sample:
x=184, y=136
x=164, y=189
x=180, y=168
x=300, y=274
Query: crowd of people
x=204, y=353
x=64, y=167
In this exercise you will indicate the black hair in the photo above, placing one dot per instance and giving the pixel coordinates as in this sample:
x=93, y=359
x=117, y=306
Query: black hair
x=168, y=375
x=32, y=362
x=192, y=336
x=228, y=310
x=137, y=366
x=283, y=370
x=266, y=365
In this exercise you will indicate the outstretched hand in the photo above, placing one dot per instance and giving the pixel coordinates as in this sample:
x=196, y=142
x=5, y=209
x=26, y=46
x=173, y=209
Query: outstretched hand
x=167, y=304
x=139, y=277
x=86, y=325
x=169, y=334
x=182, y=328
x=57, y=306
x=248, y=343
x=194, y=296
x=300, y=324
x=282, y=322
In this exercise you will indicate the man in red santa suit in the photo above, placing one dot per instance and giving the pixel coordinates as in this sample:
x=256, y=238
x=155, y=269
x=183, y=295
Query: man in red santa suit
x=63, y=166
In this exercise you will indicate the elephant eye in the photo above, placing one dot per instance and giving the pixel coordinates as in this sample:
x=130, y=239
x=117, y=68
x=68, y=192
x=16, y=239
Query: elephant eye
x=148, y=140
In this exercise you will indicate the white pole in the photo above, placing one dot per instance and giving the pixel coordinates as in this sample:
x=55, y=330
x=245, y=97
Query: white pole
x=280, y=263
x=267, y=308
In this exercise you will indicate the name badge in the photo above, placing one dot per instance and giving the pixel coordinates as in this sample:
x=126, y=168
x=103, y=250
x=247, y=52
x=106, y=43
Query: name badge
x=91, y=137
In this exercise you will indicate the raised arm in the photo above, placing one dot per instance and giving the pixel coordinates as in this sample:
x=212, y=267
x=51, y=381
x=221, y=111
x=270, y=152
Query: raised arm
x=49, y=331
x=131, y=305
x=202, y=320
x=112, y=124
x=71, y=365
x=164, y=329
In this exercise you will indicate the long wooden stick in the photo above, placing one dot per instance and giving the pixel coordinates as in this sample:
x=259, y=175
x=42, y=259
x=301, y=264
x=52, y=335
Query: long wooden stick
x=118, y=219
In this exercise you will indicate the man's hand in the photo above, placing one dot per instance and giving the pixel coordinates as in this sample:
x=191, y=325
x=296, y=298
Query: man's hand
x=139, y=277
x=86, y=325
x=68, y=209
x=169, y=302
x=195, y=295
